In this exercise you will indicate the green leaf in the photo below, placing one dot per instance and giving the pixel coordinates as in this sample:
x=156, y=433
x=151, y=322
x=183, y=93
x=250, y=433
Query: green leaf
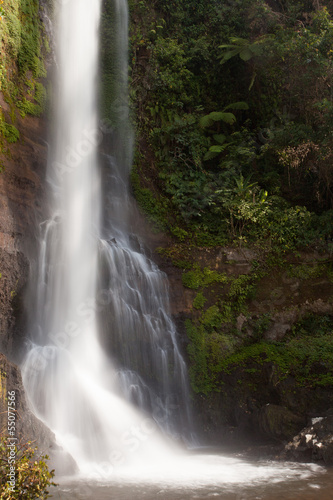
x=237, y=105
x=263, y=196
x=226, y=46
x=256, y=48
x=252, y=80
x=217, y=148
x=210, y=155
x=220, y=138
x=216, y=116
x=206, y=121
x=215, y=151
x=228, y=55
x=227, y=118
x=238, y=41
x=246, y=54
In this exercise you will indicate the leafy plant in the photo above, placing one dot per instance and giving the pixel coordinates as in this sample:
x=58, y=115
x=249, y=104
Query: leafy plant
x=199, y=301
x=197, y=278
x=8, y=131
x=242, y=288
x=245, y=49
x=283, y=150
x=218, y=116
x=32, y=476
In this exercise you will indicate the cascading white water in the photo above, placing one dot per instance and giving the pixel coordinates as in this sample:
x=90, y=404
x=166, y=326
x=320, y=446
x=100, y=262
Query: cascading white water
x=93, y=286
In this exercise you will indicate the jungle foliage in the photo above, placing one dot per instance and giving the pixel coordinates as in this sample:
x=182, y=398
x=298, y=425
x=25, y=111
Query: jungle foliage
x=24, y=47
x=232, y=108
x=233, y=113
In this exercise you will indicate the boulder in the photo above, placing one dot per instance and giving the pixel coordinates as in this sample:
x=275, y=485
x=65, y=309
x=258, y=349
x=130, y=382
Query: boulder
x=279, y=423
x=277, y=331
x=314, y=443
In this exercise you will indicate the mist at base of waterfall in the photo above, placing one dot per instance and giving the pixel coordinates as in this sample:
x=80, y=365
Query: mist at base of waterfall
x=202, y=476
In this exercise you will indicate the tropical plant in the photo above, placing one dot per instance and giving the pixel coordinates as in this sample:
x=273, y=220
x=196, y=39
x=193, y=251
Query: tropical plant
x=218, y=116
x=245, y=49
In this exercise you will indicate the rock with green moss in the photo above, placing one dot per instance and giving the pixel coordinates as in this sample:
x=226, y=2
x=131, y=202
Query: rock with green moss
x=278, y=422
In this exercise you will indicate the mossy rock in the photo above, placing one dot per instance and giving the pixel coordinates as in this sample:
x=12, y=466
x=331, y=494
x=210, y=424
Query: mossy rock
x=278, y=422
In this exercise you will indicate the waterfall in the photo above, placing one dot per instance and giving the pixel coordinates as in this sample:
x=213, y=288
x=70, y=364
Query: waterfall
x=103, y=369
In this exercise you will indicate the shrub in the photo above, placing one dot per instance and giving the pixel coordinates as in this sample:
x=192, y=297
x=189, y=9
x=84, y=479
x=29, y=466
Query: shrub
x=32, y=476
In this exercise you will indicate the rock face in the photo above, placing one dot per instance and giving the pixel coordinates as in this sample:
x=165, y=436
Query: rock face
x=21, y=188
x=28, y=426
x=22, y=163
x=254, y=408
x=21, y=194
x=14, y=273
x=259, y=398
x=278, y=422
x=314, y=443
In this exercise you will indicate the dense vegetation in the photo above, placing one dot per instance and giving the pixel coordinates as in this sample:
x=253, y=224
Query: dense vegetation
x=234, y=118
x=232, y=107
x=23, y=47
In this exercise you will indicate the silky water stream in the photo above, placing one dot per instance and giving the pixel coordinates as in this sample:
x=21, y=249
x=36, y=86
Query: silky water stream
x=103, y=368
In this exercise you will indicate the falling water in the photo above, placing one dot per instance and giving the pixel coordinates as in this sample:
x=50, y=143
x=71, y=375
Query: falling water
x=95, y=286
x=103, y=368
